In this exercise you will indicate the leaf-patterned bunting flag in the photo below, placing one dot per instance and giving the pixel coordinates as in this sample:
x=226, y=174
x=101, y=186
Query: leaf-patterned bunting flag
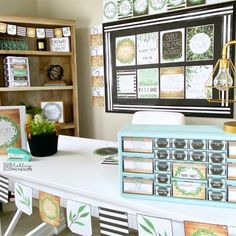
x=148, y=225
x=49, y=208
x=4, y=186
x=11, y=29
x=113, y=222
x=79, y=218
x=23, y=198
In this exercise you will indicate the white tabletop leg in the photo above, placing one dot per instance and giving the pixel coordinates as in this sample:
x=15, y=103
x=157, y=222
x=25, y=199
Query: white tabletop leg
x=13, y=223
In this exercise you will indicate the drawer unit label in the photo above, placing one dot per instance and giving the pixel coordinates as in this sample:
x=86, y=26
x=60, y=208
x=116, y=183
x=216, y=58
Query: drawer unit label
x=138, y=165
x=189, y=171
x=136, y=144
x=232, y=171
x=193, y=190
x=232, y=150
x=138, y=185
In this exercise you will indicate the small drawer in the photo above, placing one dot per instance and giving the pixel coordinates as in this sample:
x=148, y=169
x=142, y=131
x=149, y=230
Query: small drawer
x=217, y=195
x=138, y=165
x=164, y=191
x=163, y=178
x=232, y=193
x=232, y=171
x=217, y=145
x=162, y=142
x=198, y=144
x=195, y=171
x=216, y=182
x=180, y=143
x=193, y=190
x=162, y=154
x=215, y=169
x=163, y=166
x=180, y=155
x=200, y=156
x=138, y=185
x=217, y=157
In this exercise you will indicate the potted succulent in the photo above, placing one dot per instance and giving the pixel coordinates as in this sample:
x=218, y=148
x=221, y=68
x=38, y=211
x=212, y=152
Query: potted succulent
x=42, y=136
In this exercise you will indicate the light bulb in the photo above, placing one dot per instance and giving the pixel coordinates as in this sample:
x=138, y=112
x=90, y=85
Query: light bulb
x=223, y=79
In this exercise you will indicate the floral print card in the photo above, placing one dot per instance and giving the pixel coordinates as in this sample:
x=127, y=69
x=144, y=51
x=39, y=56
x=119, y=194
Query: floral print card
x=148, y=225
x=49, y=208
x=203, y=229
x=200, y=43
x=79, y=218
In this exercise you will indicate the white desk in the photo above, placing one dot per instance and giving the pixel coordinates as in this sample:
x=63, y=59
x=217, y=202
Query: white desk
x=76, y=173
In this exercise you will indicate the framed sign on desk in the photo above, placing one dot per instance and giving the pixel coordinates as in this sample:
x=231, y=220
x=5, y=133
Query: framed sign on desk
x=163, y=61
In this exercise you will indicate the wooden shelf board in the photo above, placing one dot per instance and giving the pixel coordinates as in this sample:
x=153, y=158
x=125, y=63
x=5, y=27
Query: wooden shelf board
x=38, y=88
x=34, y=53
x=67, y=125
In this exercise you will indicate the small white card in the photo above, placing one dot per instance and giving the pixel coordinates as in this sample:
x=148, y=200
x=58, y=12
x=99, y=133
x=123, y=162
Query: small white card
x=23, y=198
x=60, y=44
x=79, y=218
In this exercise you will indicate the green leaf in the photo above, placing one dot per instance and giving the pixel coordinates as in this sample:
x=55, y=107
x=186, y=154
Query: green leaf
x=146, y=229
x=166, y=234
x=74, y=216
x=18, y=191
x=84, y=215
x=23, y=202
x=149, y=223
x=70, y=216
x=79, y=223
x=28, y=201
x=81, y=208
x=21, y=190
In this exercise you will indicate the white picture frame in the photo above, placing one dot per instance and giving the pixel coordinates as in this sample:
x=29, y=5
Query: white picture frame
x=53, y=111
x=60, y=44
x=12, y=128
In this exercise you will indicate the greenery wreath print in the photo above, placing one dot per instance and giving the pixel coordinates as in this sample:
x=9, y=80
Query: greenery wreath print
x=15, y=131
x=125, y=51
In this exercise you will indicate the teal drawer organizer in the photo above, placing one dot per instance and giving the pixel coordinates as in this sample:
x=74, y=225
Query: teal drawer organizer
x=178, y=163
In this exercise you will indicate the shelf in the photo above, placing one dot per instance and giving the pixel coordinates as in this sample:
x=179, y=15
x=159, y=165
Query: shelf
x=35, y=53
x=38, y=88
x=67, y=126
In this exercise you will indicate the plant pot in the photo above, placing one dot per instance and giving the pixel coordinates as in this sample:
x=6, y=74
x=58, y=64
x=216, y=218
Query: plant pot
x=43, y=145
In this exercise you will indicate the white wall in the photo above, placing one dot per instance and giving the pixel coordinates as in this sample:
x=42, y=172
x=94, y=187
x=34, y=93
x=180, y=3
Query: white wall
x=18, y=7
x=94, y=121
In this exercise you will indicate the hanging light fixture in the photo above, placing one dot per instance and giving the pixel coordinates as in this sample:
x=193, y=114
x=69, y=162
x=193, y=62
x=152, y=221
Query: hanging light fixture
x=221, y=84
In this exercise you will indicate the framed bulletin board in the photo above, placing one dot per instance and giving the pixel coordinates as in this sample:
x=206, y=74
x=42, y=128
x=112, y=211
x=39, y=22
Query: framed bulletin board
x=163, y=61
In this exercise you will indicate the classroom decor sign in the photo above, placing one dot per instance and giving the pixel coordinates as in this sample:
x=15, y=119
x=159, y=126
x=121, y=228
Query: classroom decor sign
x=163, y=62
x=12, y=121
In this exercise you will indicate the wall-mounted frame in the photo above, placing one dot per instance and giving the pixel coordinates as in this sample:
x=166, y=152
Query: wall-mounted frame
x=163, y=61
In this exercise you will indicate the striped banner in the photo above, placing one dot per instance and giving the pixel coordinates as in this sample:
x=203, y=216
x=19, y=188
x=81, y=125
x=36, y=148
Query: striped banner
x=4, y=186
x=113, y=222
x=21, y=31
x=49, y=33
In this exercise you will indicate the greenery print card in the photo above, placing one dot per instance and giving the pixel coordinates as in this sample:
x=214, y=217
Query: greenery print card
x=148, y=83
x=10, y=129
x=79, y=218
x=125, y=51
x=49, y=208
x=23, y=198
x=148, y=225
x=203, y=229
x=200, y=43
x=172, y=45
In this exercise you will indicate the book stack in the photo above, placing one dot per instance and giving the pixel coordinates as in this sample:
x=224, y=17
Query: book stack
x=16, y=71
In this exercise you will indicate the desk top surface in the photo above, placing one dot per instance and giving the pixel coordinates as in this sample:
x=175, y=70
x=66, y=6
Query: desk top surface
x=75, y=172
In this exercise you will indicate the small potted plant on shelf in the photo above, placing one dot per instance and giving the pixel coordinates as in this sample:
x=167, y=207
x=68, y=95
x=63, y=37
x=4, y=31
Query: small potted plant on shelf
x=42, y=136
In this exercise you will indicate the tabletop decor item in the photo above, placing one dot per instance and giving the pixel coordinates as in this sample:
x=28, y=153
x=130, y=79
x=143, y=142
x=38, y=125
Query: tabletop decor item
x=42, y=136
x=110, y=155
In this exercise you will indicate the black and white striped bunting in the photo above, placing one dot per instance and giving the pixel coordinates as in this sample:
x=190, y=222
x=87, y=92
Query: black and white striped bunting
x=113, y=222
x=4, y=186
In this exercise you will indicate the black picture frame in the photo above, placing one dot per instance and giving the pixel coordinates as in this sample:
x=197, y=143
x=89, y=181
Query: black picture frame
x=218, y=18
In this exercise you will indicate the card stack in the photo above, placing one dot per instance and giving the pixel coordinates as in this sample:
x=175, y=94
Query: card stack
x=16, y=71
